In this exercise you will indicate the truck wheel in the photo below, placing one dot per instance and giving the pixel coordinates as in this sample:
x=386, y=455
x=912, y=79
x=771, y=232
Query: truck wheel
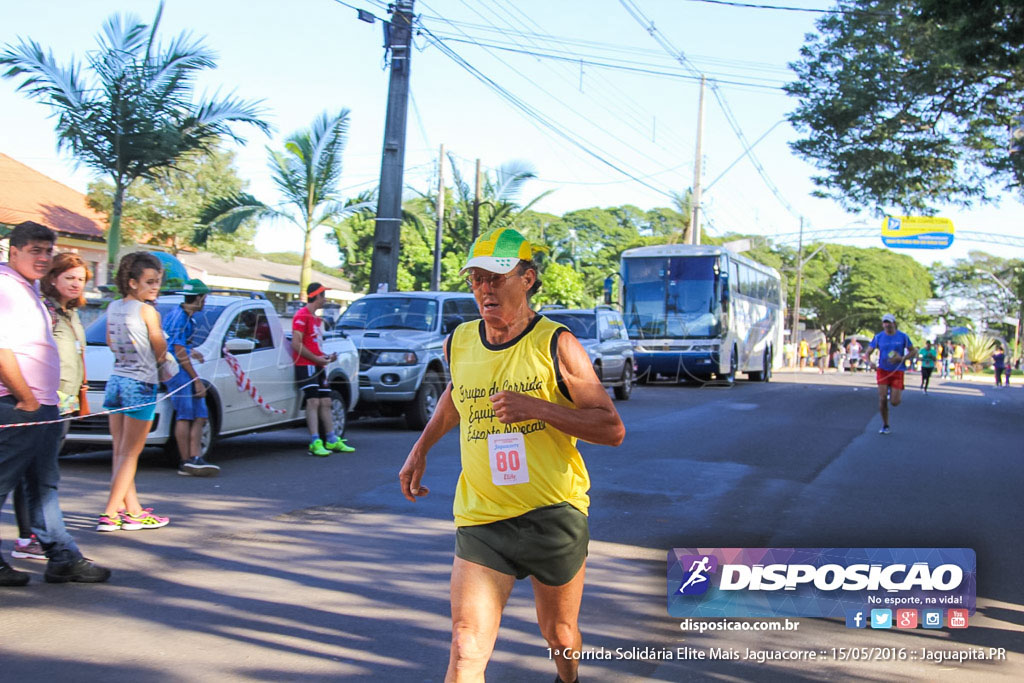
x=623, y=391
x=421, y=408
x=339, y=414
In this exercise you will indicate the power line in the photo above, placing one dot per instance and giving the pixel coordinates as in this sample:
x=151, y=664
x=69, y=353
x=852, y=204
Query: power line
x=536, y=115
x=785, y=8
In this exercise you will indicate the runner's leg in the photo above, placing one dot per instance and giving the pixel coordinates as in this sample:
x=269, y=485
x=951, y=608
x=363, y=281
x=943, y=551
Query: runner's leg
x=558, y=609
x=883, y=402
x=478, y=596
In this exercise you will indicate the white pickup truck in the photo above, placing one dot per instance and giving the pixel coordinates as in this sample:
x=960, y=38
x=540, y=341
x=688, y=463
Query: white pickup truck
x=251, y=331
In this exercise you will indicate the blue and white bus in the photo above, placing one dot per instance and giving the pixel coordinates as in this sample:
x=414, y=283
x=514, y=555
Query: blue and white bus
x=696, y=311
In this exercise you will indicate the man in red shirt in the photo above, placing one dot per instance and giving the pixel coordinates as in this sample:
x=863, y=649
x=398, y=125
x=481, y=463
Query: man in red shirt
x=310, y=375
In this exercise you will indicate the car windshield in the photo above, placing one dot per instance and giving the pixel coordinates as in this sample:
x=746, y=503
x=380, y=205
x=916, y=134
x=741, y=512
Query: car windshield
x=96, y=335
x=582, y=326
x=390, y=313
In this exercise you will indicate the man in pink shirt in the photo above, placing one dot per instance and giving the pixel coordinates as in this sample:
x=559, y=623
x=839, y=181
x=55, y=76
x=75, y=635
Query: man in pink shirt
x=29, y=376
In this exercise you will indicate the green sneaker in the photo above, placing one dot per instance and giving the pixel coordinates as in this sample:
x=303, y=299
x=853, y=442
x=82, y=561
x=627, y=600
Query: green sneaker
x=339, y=445
x=317, y=448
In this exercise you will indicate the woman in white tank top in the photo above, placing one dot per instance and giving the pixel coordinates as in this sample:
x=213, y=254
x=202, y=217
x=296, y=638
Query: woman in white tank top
x=137, y=340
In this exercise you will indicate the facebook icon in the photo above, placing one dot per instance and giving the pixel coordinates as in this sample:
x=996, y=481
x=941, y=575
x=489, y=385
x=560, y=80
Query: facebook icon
x=855, y=618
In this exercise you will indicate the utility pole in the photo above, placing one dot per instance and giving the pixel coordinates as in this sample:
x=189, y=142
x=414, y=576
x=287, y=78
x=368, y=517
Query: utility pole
x=398, y=39
x=476, y=204
x=695, y=221
x=794, y=330
x=435, y=275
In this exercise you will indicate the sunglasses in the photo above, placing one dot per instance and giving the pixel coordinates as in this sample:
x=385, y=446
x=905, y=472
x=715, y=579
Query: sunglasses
x=495, y=280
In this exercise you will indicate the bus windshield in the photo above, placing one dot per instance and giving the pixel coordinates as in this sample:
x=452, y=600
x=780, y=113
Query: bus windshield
x=671, y=298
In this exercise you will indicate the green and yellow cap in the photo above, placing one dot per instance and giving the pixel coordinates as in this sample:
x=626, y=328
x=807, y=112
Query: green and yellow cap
x=498, y=251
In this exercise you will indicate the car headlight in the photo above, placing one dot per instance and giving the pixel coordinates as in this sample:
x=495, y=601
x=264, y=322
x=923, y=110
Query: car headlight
x=396, y=358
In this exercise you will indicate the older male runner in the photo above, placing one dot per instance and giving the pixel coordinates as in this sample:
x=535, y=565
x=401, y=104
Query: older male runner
x=522, y=392
x=894, y=347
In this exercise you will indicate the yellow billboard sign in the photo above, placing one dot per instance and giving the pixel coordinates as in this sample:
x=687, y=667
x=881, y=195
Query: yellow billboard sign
x=917, y=232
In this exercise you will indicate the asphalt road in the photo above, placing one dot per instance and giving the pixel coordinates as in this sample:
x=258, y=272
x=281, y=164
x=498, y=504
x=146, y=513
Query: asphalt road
x=289, y=567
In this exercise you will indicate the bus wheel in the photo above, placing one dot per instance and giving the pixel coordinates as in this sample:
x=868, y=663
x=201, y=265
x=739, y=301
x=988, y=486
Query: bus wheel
x=730, y=377
x=765, y=373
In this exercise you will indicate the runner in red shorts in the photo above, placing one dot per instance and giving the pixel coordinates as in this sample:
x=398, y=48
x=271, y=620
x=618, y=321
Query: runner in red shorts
x=894, y=347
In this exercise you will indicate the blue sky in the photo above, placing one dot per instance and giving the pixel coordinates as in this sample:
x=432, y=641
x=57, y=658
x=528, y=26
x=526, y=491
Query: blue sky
x=308, y=56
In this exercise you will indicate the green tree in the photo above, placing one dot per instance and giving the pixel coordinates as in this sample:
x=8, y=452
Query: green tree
x=910, y=103
x=861, y=286
x=135, y=114
x=165, y=209
x=306, y=173
x=983, y=288
x=561, y=284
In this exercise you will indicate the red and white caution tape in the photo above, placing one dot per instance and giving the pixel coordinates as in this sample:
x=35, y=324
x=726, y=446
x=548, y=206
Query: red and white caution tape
x=246, y=386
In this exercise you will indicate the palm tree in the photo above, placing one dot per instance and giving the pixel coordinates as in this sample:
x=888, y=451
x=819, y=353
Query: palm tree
x=306, y=173
x=135, y=114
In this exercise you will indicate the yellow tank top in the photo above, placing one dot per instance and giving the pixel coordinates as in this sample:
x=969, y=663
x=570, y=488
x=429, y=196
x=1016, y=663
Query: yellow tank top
x=555, y=468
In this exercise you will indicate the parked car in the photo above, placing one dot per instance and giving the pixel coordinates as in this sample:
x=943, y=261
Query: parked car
x=602, y=333
x=251, y=331
x=400, y=337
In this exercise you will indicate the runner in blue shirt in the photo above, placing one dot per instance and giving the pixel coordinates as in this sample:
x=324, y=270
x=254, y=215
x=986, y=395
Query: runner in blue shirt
x=894, y=347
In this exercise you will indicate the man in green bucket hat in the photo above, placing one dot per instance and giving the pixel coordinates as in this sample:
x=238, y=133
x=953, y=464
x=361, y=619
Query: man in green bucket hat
x=523, y=391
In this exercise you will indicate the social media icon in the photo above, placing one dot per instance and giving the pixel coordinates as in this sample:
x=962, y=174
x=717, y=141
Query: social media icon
x=957, y=618
x=931, y=618
x=881, y=618
x=856, y=618
x=906, y=618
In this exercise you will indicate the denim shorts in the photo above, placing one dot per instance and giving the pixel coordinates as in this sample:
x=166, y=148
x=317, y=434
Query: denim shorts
x=124, y=392
x=186, y=405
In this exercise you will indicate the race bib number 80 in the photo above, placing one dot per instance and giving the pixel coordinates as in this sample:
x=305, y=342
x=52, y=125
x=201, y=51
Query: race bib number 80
x=507, y=453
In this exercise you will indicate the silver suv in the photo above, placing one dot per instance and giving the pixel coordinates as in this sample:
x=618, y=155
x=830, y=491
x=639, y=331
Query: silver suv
x=602, y=333
x=400, y=337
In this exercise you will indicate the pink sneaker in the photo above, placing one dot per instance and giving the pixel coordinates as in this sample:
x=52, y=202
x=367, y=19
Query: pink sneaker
x=28, y=551
x=144, y=520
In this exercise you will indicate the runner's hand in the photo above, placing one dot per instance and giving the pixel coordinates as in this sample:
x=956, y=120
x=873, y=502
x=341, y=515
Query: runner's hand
x=510, y=407
x=199, y=389
x=197, y=356
x=29, y=406
x=410, y=475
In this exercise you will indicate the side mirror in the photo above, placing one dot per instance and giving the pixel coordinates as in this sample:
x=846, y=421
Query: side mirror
x=237, y=346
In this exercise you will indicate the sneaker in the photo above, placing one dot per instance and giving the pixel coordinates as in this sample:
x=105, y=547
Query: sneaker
x=338, y=445
x=144, y=520
x=9, y=576
x=317, y=448
x=79, y=571
x=29, y=551
x=109, y=523
x=197, y=467
x=884, y=430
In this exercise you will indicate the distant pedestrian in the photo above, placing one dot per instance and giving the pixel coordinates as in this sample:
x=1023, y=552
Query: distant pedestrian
x=803, y=352
x=854, y=351
x=893, y=348
x=190, y=412
x=928, y=358
x=821, y=356
x=959, y=362
x=29, y=379
x=1009, y=370
x=310, y=376
x=840, y=357
x=137, y=341
x=947, y=358
x=999, y=364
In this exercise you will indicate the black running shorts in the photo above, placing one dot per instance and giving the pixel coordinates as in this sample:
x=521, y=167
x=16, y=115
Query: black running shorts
x=549, y=543
x=312, y=381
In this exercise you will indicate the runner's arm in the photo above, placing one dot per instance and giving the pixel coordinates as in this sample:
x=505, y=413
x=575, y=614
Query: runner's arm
x=593, y=419
x=444, y=419
x=302, y=352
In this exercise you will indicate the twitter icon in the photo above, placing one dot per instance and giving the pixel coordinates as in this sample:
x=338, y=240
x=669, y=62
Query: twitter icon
x=881, y=618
